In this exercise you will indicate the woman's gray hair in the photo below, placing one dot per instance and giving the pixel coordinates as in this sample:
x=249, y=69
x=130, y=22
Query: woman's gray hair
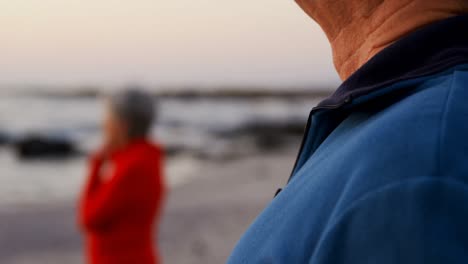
x=136, y=109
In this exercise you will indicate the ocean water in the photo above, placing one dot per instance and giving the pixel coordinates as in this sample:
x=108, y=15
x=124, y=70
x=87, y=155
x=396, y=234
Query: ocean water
x=203, y=125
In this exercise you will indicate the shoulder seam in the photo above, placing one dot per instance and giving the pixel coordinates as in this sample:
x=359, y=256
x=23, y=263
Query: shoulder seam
x=443, y=127
x=421, y=179
x=372, y=194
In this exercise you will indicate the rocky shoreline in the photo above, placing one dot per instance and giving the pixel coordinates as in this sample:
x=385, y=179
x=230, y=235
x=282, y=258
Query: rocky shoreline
x=260, y=136
x=191, y=93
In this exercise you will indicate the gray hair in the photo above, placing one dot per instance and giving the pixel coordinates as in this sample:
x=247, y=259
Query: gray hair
x=136, y=108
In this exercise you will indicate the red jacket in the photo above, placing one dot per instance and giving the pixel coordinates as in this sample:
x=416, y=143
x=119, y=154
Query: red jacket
x=121, y=205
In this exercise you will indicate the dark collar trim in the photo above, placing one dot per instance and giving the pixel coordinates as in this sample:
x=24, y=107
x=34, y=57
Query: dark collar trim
x=427, y=51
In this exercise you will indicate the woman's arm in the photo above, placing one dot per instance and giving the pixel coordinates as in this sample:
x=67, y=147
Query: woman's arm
x=93, y=181
x=127, y=189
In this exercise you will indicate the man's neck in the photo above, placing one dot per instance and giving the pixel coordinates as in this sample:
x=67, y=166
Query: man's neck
x=358, y=36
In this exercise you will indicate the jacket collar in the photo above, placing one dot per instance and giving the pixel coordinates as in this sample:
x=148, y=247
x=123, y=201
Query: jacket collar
x=130, y=147
x=427, y=51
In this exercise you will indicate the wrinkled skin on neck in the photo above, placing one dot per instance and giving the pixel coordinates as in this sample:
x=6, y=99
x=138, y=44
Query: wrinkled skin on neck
x=359, y=29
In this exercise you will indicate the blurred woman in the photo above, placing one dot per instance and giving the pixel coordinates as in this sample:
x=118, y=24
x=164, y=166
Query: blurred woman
x=122, y=200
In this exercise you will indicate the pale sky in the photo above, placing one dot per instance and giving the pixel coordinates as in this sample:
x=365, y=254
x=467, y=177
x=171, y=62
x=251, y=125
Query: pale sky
x=170, y=42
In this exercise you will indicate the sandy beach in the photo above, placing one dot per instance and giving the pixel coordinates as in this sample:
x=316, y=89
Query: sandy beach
x=204, y=216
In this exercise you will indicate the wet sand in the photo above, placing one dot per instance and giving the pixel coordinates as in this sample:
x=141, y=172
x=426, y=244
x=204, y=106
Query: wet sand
x=203, y=218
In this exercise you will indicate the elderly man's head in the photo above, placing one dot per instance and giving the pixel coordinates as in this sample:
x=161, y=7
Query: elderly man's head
x=130, y=116
x=359, y=29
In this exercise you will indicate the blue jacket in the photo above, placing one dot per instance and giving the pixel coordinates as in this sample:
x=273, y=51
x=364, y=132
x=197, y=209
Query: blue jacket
x=382, y=176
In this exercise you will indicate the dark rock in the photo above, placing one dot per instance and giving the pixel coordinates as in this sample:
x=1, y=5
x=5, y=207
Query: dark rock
x=260, y=128
x=174, y=150
x=37, y=146
x=268, y=135
x=290, y=127
x=270, y=142
x=4, y=138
